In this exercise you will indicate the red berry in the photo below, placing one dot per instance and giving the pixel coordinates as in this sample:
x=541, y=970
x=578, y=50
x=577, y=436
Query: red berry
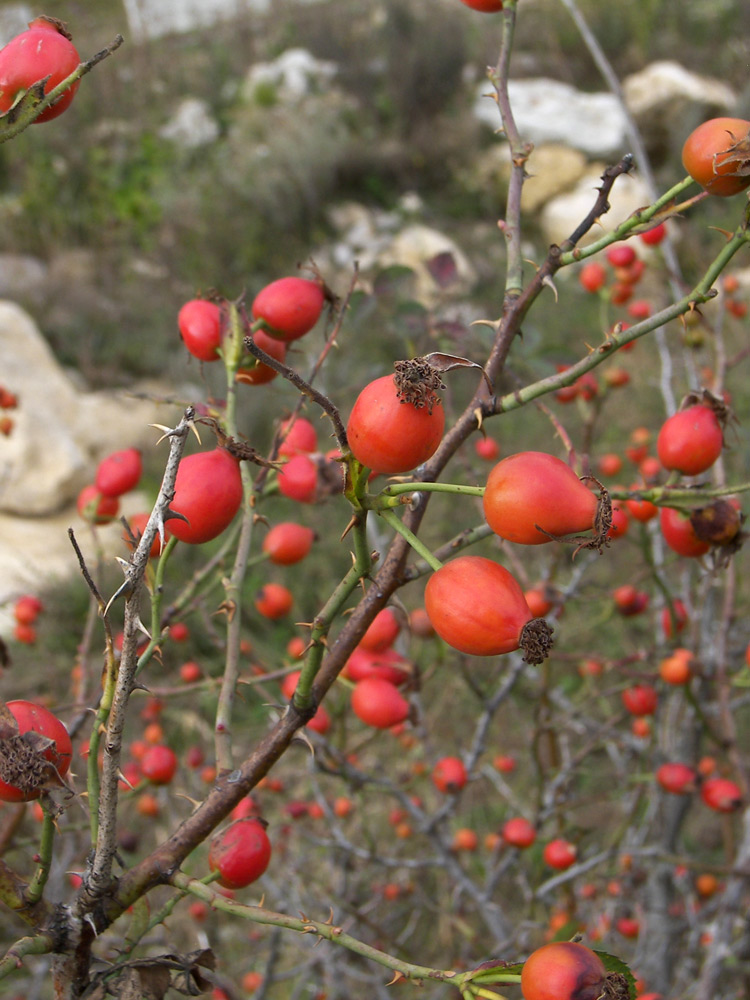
x=690, y=440
x=640, y=699
x=44, y=50
x=449, y=775
x=208, y=493
x=679, y=779
x=158, y=764
x=288, y=543
x=559, y=853
x=721, y=794
x=379, y=703
x=290, y=306
x=119, y=473
x=96, y=508
x=518, y=832
x=200, y=326
x=592, y=276
x=274, y=600
x=240, y=853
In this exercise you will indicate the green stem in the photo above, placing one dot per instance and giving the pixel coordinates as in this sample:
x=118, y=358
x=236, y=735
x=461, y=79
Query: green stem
x=686, y=498
x=635, y=222
x=38, y=882
x=398, y=525
x=40, y=944
x=321, y=626
x=322, y=929
x=700, y=293
x=157, y=597
x=399, y=489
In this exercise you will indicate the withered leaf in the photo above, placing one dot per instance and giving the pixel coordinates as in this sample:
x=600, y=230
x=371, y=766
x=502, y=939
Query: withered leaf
x=443, y=269
x=447, y=362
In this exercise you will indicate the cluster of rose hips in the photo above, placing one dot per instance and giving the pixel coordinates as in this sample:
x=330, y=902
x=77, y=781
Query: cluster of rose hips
x=627, y=270
x=26, y=610
x=8, y=401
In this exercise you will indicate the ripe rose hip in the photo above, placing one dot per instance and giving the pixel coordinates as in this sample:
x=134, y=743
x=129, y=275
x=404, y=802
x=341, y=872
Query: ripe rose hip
x=518, y=832
x=531, y=496
x=721, y=794
x=208, y=493
x=390, y=434
x=119, y=472
x=382, y=631
x=449, y=775
x=200, y=326
x=563, y=970
x=679, y=779
x=240, y=853
x=378, y=703
x=274, y=600
x=290, y=306
x=158, y=764
x=690, y=440
x=44, y=49
x=96, y=508
x=288, y=543
x=640, y=699
x=478, y=607
x=559, y=853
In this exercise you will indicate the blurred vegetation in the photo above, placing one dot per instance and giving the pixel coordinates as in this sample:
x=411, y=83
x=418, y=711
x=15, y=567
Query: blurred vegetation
x=165, y=222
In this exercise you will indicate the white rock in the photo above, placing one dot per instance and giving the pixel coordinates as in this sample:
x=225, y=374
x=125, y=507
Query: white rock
x=548, y=111
x=660, y=85
x=154, y=18
x=191, y=125
x=295, y=73
x=60, y=433
x=36, y=552
x=563, y=214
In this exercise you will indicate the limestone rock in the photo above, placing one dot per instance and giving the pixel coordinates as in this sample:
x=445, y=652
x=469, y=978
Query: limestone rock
x=552, y=169
x=667, y=101
x=668, y=85
x=548, y=111
x=192, y=125
x=60, y=433
x=294, y=74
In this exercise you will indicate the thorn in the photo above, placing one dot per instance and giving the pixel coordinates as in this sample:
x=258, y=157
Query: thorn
x=397, y=978
x=349, y=527
x=492, y=324
x=125, y=588
x=547, y=280
x=302, y=736
x=193, y=802
x=194, y=429
x=162, y=427
x=479, y=418
x=122, y=777
x=143, y=628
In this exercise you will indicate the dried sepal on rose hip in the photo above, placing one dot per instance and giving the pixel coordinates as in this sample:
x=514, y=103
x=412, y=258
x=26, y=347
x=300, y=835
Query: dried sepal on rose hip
x=35, y=751
x=397, y=421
